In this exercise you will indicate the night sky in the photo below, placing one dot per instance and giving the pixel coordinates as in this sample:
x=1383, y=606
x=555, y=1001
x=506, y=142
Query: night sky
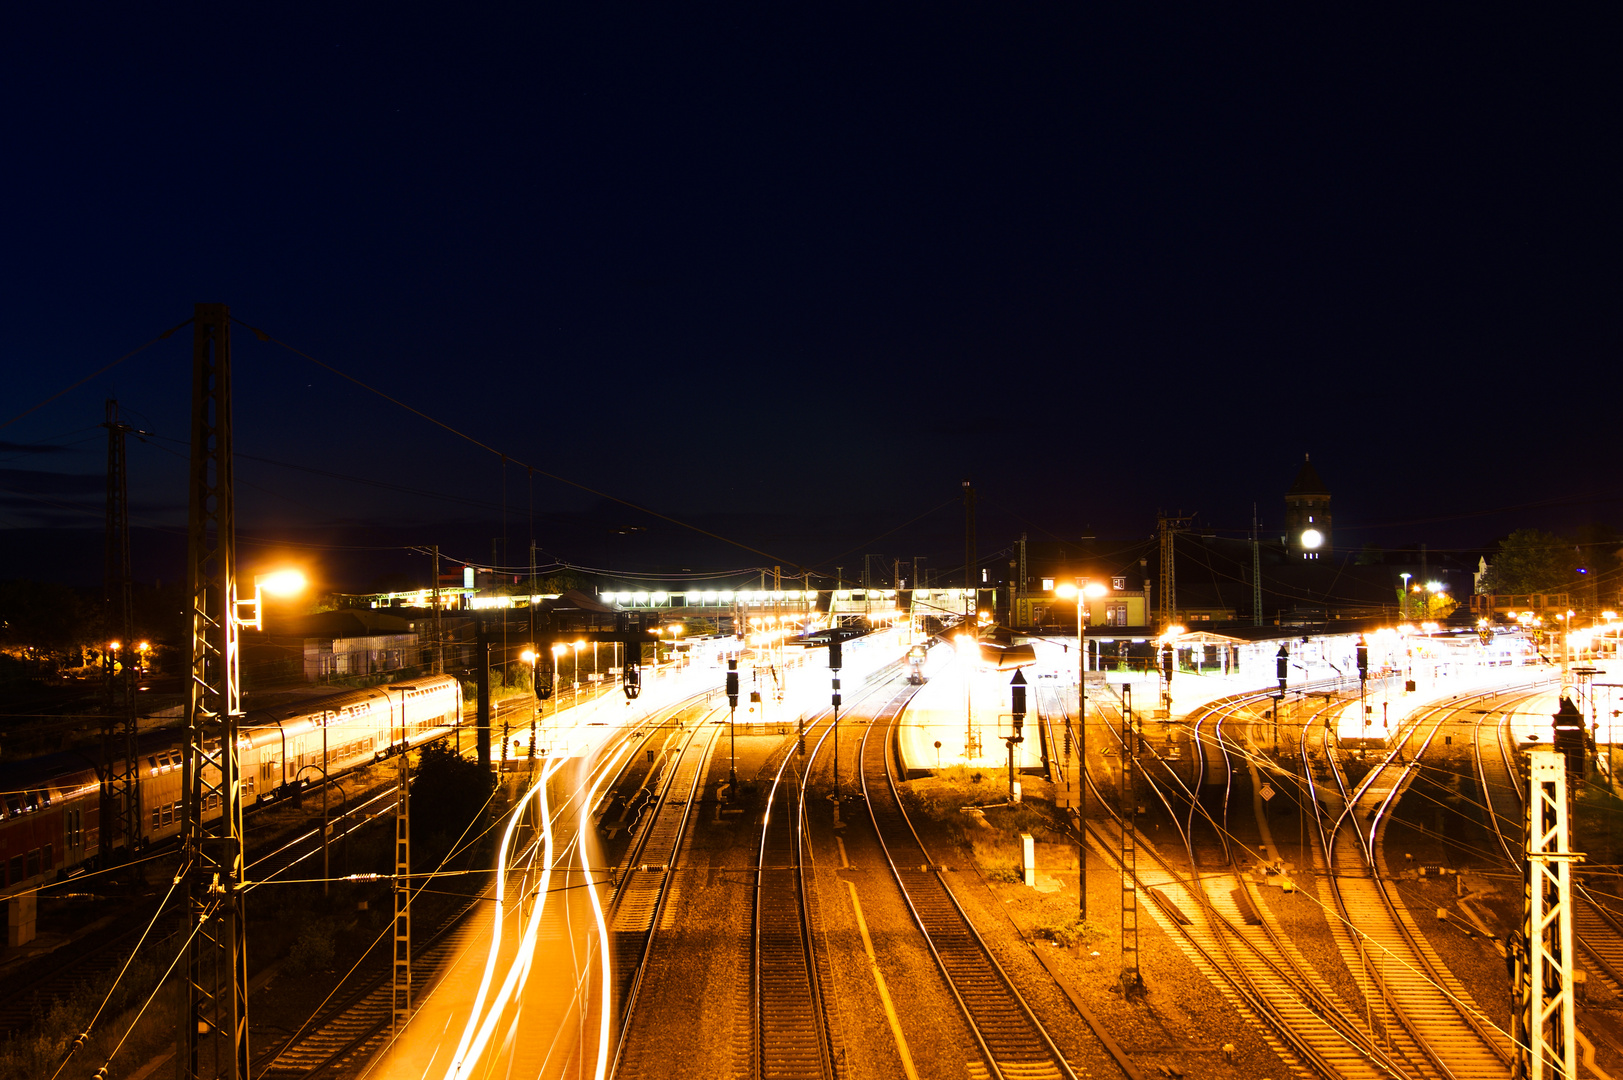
x=794, y=273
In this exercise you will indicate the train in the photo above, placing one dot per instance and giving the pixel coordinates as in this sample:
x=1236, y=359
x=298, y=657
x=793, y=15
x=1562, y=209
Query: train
x=51, y=806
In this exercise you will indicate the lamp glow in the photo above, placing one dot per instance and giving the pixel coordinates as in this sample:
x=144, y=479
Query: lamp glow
x=281, y=582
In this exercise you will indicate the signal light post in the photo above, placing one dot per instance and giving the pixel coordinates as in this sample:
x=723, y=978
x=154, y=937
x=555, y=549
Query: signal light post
x=834, y=669
x=1017, y=707
x=1282, y=669
x=1081, y=590
x=732, y=723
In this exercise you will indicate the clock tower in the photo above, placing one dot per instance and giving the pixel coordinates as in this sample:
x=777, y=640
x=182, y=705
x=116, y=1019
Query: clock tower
x=1307, y=515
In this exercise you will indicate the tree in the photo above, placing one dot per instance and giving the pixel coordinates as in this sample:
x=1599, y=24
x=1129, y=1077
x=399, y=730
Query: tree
x=1531, y=561
x=1429, y=606
x=448, y=794
x=47, y=618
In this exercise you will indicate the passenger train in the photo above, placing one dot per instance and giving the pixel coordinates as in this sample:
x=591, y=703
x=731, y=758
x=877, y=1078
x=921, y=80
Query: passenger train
x=51, y=806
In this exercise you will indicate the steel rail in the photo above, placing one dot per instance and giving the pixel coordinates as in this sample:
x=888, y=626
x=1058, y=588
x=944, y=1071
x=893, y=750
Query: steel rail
x=1291, y=998
x=1011, y=1038
x=1424, y=997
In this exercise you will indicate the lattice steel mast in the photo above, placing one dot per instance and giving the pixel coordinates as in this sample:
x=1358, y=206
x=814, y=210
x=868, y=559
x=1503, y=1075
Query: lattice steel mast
x=1543, y=1025
x=1169, y=528
x=213, y=1035
x=120, y=806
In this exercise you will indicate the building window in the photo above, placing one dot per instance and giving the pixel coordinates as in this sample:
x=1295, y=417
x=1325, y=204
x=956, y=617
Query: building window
x=1118, y=583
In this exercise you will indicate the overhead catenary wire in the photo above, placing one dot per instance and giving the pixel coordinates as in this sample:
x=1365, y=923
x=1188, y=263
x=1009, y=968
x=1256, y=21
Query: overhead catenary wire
x=90, y=1025
x=266, y=337
x=99, y=371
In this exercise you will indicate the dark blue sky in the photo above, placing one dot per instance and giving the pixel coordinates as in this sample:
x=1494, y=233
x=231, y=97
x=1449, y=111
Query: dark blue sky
x=824, y=263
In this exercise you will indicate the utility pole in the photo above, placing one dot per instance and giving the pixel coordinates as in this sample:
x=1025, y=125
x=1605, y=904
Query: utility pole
x=1017, y=614
x=481, y=663
x=1256, y=571
x=121, y=803
x=213, y=1035
x=439, y=634
x=971, y=586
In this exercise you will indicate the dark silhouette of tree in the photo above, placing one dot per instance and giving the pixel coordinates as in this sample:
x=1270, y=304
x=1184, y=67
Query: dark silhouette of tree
x=448, y=794
x=1531, y=561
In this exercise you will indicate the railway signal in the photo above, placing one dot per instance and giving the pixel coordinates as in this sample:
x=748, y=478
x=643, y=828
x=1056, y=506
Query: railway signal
x=732, y=722
x=1017, y=709
x=834, y=669
x=1569, y=737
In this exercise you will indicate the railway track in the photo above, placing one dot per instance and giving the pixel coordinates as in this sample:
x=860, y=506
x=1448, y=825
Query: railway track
x=792, y=1029
x=789, y=1034
x=1227, y=930
x=350, y=1030
x=1598, y=930
x=290, y=848
x=642, y=890
x=1013, y=1042
x=1437, y=1027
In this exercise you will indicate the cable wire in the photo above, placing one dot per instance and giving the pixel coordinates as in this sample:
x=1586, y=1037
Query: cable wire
x=93, y=374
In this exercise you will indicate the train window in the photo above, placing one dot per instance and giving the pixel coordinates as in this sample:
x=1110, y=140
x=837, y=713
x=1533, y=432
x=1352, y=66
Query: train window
x=168, y=814
x=14, y=806
x=154, y=817
x=50, y=863
x=33, y=862
x=17, y=872
x=32, y=800
x=153, y=763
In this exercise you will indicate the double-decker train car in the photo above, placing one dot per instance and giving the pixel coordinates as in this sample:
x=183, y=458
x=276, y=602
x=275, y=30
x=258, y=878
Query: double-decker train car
x=53, y=805
x=49, y=818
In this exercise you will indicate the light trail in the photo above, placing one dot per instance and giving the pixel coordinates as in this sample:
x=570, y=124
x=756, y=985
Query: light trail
x=476, y=1033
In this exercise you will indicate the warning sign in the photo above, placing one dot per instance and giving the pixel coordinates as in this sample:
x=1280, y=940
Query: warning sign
x=1267, y=792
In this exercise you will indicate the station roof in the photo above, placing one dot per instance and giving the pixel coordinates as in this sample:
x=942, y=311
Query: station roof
x=344, y=623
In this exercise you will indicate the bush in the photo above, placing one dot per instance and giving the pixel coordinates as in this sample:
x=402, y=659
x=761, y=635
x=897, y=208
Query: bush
x=312, y=950
x=1071, y=931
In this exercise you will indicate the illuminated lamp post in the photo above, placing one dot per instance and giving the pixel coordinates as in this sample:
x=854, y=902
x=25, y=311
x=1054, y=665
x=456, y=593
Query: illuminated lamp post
x=1403, y=599
x=676, y=632
x=574, y=671
x=250, y=615
x=1080, y=592
x=558, y=652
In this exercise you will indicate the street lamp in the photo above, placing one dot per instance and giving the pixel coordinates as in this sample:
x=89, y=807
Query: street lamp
x=250, y=614
x=1081, y=591
x=557, y=658
x=574, y=671
x=1403, y=600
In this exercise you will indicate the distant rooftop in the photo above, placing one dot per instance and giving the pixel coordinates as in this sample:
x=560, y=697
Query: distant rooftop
x=1307, y=481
